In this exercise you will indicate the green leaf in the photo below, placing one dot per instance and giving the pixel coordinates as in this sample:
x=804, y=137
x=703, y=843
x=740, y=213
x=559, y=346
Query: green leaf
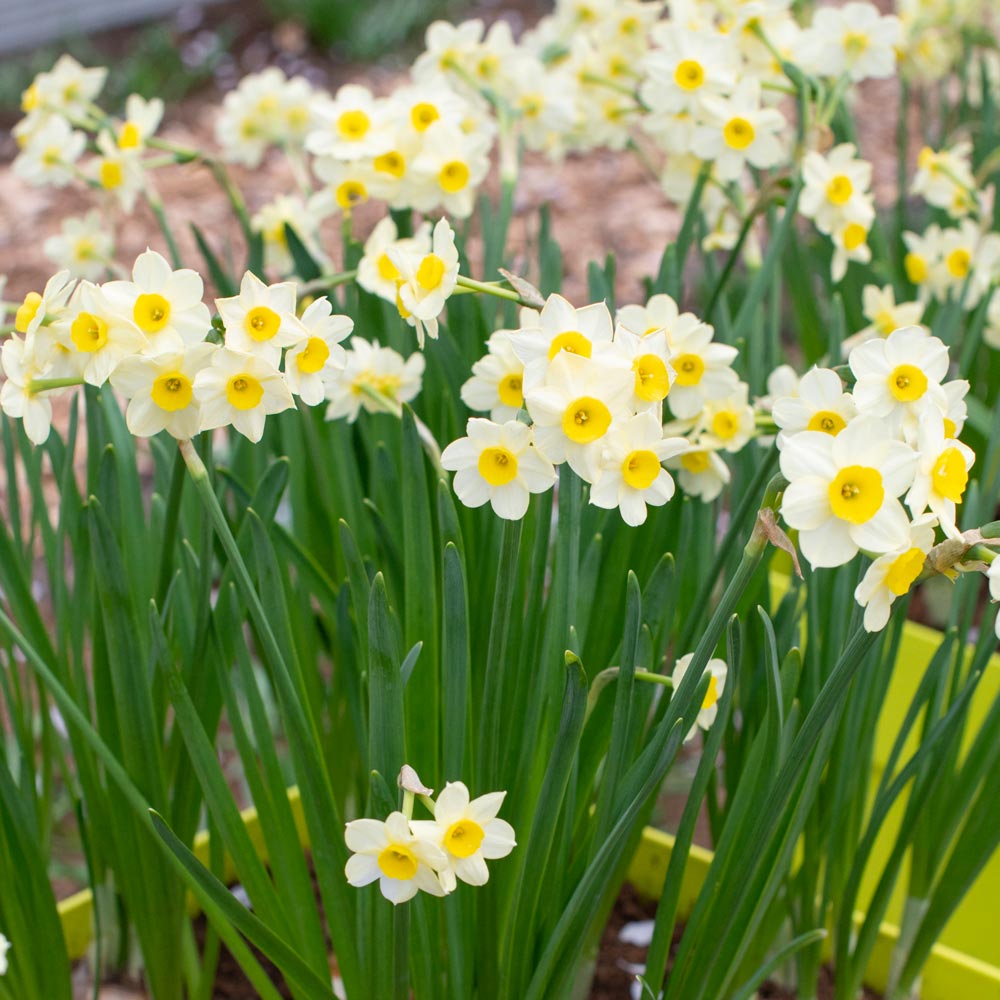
x=386, y=740
x=222, y=907
x=306, y=267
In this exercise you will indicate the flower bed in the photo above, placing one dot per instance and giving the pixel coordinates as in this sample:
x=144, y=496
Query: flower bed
x=468, y=562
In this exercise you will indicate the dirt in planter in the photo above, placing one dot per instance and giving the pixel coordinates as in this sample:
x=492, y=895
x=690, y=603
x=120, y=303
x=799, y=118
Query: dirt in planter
x=616, y=958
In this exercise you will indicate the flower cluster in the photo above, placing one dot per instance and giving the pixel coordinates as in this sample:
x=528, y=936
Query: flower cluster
x=594, y=392
x=877, y=468
x=406, y=855
x=154, y=340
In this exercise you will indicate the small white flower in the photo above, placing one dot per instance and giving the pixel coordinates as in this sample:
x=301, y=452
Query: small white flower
x=820, y=405
x=163, y=303
x=701, y=471
x=728, y=423
x=426, y=282
x=402, y=862
x=142, y=119
x=648, y=357
x=376, y=271
x=891, y=575
x=499, y=464
x=717, y=671
x=119, y=171
x=4, y=949
x=850, y=243
x=629, y=474
x=160, y=391
x=562, y=328
x=96, y=334
x=17, y=400
x=353, y=125
x=574, y=409
x=240, y=390
x=836, y=189
x=703, y=370
x=842, y=492
x=497, y=382
x=261, y=319
x=884, y=315
x=739, y=131
x=854, y=39
x=370, y=373
x=82, y=246
x=899, y=378
x=942, y=472
x=469, y=833
x=312, y=362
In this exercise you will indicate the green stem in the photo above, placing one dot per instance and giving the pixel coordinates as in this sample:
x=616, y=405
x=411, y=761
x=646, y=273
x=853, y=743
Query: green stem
x=161, y=218
x=492, y=288
x=327, y=281
x=493, y=681
x=37, y=385
x=170, y=522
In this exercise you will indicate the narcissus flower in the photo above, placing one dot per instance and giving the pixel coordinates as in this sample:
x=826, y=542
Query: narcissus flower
x=575, y=408
x=402, y=862
x=376, y=271
x=241, y=390
x=648, y=357
x=261, y=319
x=836, y=189
x=703, y=371
x=700, y=470
x=96, y=334
x=49, y=155
x=884, y=315
x=891, y=575
x=942, y=472
x=899, y=378
x=820, y=405
x=372, y=374
x=161, y=391
x=83, y=246
x=739, y=131
x=629, y=473
x=142, y=119
x=17, y=399
x=425, y=282
x=497, y=382
x=850, y=243
x=312, y=362
x=469, y=833
x=498, y=464
x=728, y=423
x=561, y=328
x=717, y=671
x=163, y=303
x=854, y=39
x=842, y=492
x=352, y=125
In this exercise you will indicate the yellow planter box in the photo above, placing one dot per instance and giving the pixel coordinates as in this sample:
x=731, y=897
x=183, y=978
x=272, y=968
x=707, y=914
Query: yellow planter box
x=972, y=929
x=948, y=974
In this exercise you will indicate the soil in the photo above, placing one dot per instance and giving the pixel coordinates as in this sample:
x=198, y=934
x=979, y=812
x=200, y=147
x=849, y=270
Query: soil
x=612, y=980
x=616, y=959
